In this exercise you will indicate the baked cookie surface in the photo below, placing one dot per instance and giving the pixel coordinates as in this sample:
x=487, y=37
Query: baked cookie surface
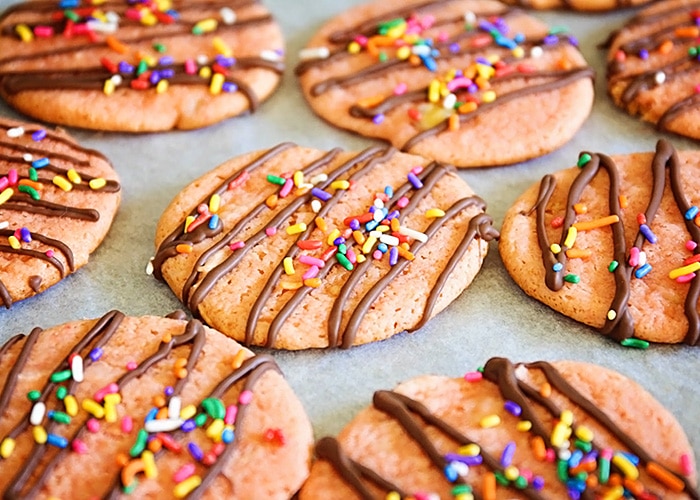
x=613, y=244
x=653, y=66
x=57, y=203
x=506, y=436
x=146, y=407
x=471, y=83
x=139, y=66
x=295, y=248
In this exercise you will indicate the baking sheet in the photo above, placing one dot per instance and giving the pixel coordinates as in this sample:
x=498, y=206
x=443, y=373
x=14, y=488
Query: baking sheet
x=333, y=385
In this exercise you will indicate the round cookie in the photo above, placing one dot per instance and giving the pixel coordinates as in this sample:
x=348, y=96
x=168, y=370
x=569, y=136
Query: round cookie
x=653, y=68
x=139, y=66
x=613, y=244
x=472, y=83
x=152, y=407
x=295, y=248
x=579, y=5
x=506, y=436
x=57, y=202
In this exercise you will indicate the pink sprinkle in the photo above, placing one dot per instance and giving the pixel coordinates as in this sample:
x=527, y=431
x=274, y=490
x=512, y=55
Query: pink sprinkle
x=346, y=233
x=43, y=31
x=606, y=453
x=310, y=273
x=350, y=254
x=203, y=208
x=697, y=89
x=79, y=446
x=550, y=455
x=473, y=376
x=191, y=69
x=403, y=202
x=231, y=412
x=377, y=255
x=527, y=474
x=131, y=365
x=634, y=256
x=218, y=448
x=690, y=244
x=236, y=245
x=458, y=83
x=93, y=425
x=427, y=21
x=183, y=473
x=108, y=389
x=311, y=261
x=12, y=176
x=686, y=465
x=127, y=424
x=400, y=89
x=362, y=40
x=49, y=254
x=4, y=182
x=417, y=169
x=287, y=188
x=271, y=231
x=133, y=14
x=245, y=397
x=686, y=278
x=442, y=36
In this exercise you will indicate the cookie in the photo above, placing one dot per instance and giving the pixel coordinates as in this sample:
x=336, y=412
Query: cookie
x=613, y=243
x=148, y=406
x=538, y=430
x=294, y=248
x=472, y=83
x=579, y=5
x=652, y=67
x=57, y=202
x=139, y=66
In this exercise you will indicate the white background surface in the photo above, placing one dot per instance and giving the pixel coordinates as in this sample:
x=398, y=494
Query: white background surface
x=492, y=318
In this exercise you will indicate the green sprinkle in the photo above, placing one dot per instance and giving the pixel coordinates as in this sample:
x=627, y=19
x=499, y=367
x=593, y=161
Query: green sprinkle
x=129, y=489
x=214, y=408
x=635, y=343
x=501, y=479
x=30, y=191
x=384, y=28
x=563, y=470
x=140, y=445
x=383, y=57
x=457, y=105
x=556, y=30
x=71, y=15
x=61, y=392
x=142, y=67
x=572, y=278
x=693, y=51
x=583, y=446
x=200, y=419
x=276, y=180
x=581, y=476
x=461, y=489
x=520, y=483
x=480, y=369
x=583, y=159
x=33, y=175
x=159, y=47
x=343, y=248
x=60, y=417
x=603, y=470
x=197, y=30
x=60, y=376
x=343, y=261
x=33, y=395
x=613, y=265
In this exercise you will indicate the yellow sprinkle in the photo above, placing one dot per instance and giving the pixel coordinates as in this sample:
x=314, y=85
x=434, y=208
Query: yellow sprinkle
x=237, y=360
x=584, y=433
x=359, y=237
x=188, y=411
x=485, y=71
x=62, y=183
x=355, y=48
x=205, y=72
x=183, y=248
x=39, y=434
x=571, y=237
x=14, y=242
x=340, y=184
x=555, y=248
x=24, y=32
x=518, y=52
x=434, y=91
x=215, y=429
x=567, y=417
x=469, y=450
x=382, y=228
x=205, y=25
x=149, y=19
x=113, y=399
x=74, y=176
x=93, y=408
x=559, y=434
x=217, y=82
x=71, y=405
x=490, y=421
x=392, y=495
x=403, y=53
x=614, y=493
x=626, y=467
x=288, y=264
x=149, y=464
x=291, y=285
x=97, y=183
x=331, y=237
x=298, y=178
x=312, y=283
x=361, y=258
x=221, y=47
x=321, y=224
x=682, y=271
x=612, y=314
x=488, y=96
x=434, y=213
x=524, y=426
x=110, y=412
x=189, y=220
x=6, y=195
x=184, y=488
x=368, y=244
x=214, y=203
x=296, y=228
x=7, y=447
x=511, y=473
x=108, y=87
x=162, y=87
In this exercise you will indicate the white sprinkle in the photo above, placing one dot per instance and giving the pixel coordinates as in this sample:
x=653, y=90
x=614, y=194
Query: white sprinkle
x=37, y=414
x=536, y=52
x=76, y=368
x=306, y=185
x=449, y=101
x=642, y=258
x=4, y=224
x=469, y=18
x=375, y=234
x=112, y=17
x=228, y=16
x=379, y=215
x=116, y=80
x=412, y=233
x=27, y=157
x=460, y=468
x=564, y=454
x=15, y=132
x=315, y=205
x=318, y=179
x=100, y=27
x=660, y=77
x=314, y=53
x=162, y=425
x=378, y=203
x=149, y=267
x=388, y=239
x=174, y=407
x=270, y=55
x=202, y=60
x=421, y=50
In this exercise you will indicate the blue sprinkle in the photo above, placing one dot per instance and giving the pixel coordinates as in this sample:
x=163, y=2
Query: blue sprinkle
x=188, y=425
x=574, y=485
x=173, y=13
x=354, y=224
x=642, y=271
x=229, y=87
x=213, y=222
x=519, y=38
x=691, y=213
x=557, y=267
x=371, y=225
x=392, y=215
x=40, y=163
x=648, y=233
x=227, y=436
x=429, y=63
x=166, y=60
x=575, y=458
x=39, y=135
x=634, y=459
x=57, y=441
x=507, y=454
x=68, y=4
x=382, y=247
x=96, y=354
x=393, y=256
x=505, y=42
x=151, y=415
x=538, y=482
x=465, y=459
x=195, y=451
x=389, y=191
x=450, y=473
x=513, y=408
x=378, y=118
x=26, y=235
x=125, y=67
x=372, y=209
x=339, y=241
x=321, y=194
x=414, y=180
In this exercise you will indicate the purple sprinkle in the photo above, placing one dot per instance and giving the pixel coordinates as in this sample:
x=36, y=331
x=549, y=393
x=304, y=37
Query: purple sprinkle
x=96, y=354
x=166, y=60
x=507, y=455
x=321, y=194
x=644, y=54
x=648, y=234
x=393, y=256
x=574, y=494
x=188, y=425
x=538, y=482
x=339, y=241
x=195, y=451
x=229, y=87
x=485, y=25
x=454, y=48
x=169, y=391
x=125, y=67
x=550, y=40
x=354, y=224
x=414, y=180
x=467, y=460
x=224, y=61
x=378, y=118
x=392, y=215
x=593, y=455
x=167, y=73
x=154, y=78
x=482, y=60
x=372, y=209
x=573, y=40
x=39, y=135
x=512, y=408
x=26, y=235
x=472, y=88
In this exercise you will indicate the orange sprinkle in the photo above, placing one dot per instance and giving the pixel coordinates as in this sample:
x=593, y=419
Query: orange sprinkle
x=598, y=223
x=666, y=47
x=181, y=373
x=545, y=390
x=370, y=102
x=406, y=254
x=167, y=338
x=539, y=450
x=468, y=107
x=564, y=64
x=238, y=359
x=159, y=400
x=312, y=282
x=615, y=480
x=35, y=185
x=592, y=481
x=183, y=248
x=116, y=45
x=665, y=477
x=453, y=124
x=580, y=208
x=482, y=83
x=321, y=224
x=488, y=486
x=271, y=201
x=414, y=60
x=624, y=202
x=686, y=32
x=180, y=362
x=360, y=237
x=290, y=285
x=162, y=413
x=155, y=445
x=122, y=459
x=395, y=224
x=301, y=191
x=587, y=466
x=634, y=487
x=130, y=470
x=578, y=253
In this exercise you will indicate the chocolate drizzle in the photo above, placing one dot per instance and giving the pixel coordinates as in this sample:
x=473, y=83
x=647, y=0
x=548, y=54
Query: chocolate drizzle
x=665, y=158
x=343, y=323
x=413, y=416
x=40, y=467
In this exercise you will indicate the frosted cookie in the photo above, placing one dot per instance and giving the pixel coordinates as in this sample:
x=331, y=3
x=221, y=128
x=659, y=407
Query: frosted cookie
x=472, y=83
x=149, y=407
x=295, y=248
x=536, y=430
x=139, y=66
x=653, y=66
x=579, y=5
x=613, y=243
x=57, y=202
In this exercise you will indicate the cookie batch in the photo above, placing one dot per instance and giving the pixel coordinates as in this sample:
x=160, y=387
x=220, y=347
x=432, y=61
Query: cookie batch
x=293, y=247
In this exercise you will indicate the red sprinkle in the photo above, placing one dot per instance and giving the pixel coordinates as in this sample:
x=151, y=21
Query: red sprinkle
x=360, y=218
x=309, y=244
x=557, y=222
x=414, y=114
x=169, y=442
x=690, y=260
x=110, y=65
x=275, y=436
x=218, y=448
x=330, y=252
x=240, y=179
x=139, y=84
x=481, y=41
x=209, y=458
x=620, y=56
x=641, y=219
